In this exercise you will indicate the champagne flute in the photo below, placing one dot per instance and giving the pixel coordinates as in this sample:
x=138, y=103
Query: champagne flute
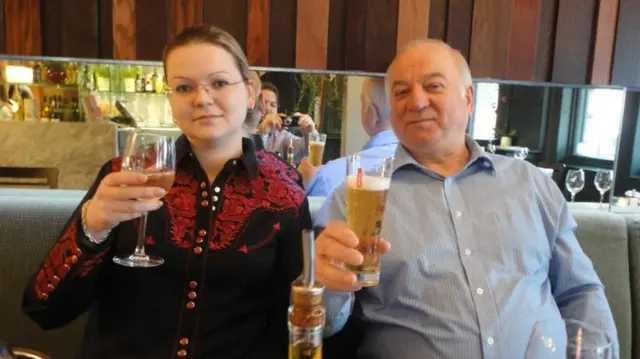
x=602, y=181
x=154, y=156
x=568, y=339
x=575, y=182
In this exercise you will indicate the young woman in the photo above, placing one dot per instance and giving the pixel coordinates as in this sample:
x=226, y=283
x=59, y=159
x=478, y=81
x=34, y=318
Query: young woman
x=229, y=231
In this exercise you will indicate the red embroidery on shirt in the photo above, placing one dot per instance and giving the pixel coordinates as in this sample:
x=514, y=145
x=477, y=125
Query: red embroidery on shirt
x=181, y=203
x=149, y=241
x=116, y=164
x=268, y=191
x=262, y=243
x=64, y=255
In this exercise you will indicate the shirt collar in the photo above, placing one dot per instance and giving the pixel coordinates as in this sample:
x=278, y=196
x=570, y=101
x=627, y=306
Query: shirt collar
x=479, y=158
x=248, y=158
x=382, y=138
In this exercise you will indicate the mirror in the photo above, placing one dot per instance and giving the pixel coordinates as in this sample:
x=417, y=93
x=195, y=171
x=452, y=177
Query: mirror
x=556, y=128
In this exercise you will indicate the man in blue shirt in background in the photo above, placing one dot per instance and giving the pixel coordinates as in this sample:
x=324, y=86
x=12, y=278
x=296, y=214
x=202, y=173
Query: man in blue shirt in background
x=481, y=248
x=376, y=122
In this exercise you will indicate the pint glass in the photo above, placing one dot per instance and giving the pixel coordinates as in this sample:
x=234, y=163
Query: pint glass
x=367, y=184
x=316, y=148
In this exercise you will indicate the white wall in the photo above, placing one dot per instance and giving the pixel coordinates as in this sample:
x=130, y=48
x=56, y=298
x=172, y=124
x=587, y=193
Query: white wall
x=353, y=136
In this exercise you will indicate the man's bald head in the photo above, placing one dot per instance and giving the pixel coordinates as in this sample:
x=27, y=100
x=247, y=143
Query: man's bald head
x=427, y=44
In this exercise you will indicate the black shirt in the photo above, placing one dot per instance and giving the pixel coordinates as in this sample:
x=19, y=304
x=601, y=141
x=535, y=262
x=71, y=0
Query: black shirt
x=231, y=251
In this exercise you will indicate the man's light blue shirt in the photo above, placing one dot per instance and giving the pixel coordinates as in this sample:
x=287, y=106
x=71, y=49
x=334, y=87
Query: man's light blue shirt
x=477, y=258
x=332, y=173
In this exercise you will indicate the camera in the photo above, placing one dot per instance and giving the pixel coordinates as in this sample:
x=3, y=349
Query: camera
x=290, y=121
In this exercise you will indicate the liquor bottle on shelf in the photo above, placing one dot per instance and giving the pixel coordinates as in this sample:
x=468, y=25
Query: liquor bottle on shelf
x=140, y=81
x=37, y=73
x=148, y=83
x=45, y=116
x=158, y=83
x=71, y=72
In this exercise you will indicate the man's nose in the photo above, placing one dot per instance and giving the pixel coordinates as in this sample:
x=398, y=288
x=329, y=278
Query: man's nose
x=419, y=98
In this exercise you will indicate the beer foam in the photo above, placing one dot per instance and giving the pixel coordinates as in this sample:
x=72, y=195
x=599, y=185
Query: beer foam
x=369, y=183
x=316, y=143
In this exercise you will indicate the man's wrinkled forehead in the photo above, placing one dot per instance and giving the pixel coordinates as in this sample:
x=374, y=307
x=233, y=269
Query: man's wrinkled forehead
x=423, y=59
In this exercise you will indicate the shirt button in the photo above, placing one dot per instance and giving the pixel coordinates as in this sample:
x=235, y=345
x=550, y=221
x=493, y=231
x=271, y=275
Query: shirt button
x=204, y=203
x=467, y=252
x=202, y=233
x=203, y=184
x=215, y=198
x=193, y=284
x=216, y=190
x=199, y=240
x=480, y=291
x=197, y=250
x=490, y=340
x=204, y=193
x=233, y=162
x=182, y=353
x=458, y=214
x=184, y=341
x=213, y=208
x=192, y=295
x=191, y=305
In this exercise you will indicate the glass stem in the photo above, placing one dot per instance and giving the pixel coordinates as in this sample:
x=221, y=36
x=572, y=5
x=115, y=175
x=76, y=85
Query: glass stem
x=142, y=230
x=601, y=199
x=573, y=197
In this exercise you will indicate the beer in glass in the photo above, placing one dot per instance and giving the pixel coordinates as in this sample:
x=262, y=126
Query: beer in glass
x=316, y=148
x=368, y=181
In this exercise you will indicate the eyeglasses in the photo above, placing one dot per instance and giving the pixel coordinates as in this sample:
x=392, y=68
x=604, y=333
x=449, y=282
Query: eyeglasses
x=213, y=88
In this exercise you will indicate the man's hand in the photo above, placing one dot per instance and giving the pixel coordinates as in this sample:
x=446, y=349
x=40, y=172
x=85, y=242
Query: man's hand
x=337, y=244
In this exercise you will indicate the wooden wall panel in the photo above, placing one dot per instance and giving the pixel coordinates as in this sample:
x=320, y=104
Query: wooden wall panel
x=230, y=15
x=22, y=27
x=124, y=29
x=381, y=35
x=604, y=42
x=438, y=14
x=413, y=21
x=356, y=34
x=546, y=39
x=152, y=28
x=258, y=32
x=105, y=29
x=490, y=38
x=312, y=39
x=626, y=63
x=336, y=54
x=574, y=35
x=459, y=22
x=80, y=28
x=282, y=33
x=523, y=39
x=2, y=42
x=184, y=13
x=51, y=27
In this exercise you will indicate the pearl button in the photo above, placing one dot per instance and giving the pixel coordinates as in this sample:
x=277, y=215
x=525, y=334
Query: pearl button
x=490, y=340
x=467, y=252
x=213, y=208
x=204, y=203
x=480, y=291
x=191, y=305
x=203, y=184
x=197, y=250
x=458, y=214
x=193, y=284
x=216, y=190
x=215, y=198
x=192, y=295
x=182, y=353
x=204, y=193
x=184, y=341
x=234, y=162
x=202, y=232
x=199, y=240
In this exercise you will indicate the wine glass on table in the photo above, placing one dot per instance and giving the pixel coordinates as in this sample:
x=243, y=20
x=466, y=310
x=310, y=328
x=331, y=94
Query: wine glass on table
x=602, y=181
x=575, y=182
x=568, y=339
x=154, y=156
